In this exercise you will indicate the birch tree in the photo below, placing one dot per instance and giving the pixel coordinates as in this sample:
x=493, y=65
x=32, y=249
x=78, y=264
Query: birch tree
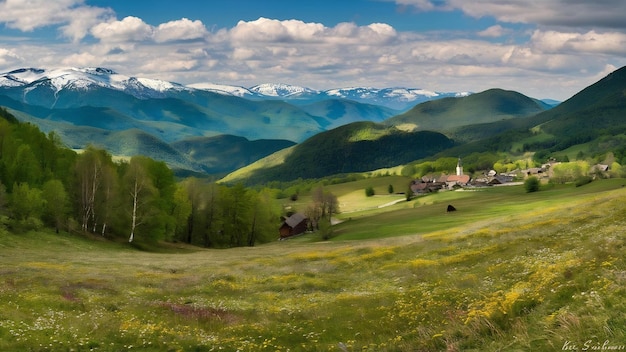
x=140, y=191
x=89, y=176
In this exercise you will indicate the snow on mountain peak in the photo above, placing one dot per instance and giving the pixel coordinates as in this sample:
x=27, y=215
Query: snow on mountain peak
x=221, y=89
x=281, y=90
x=86, y=78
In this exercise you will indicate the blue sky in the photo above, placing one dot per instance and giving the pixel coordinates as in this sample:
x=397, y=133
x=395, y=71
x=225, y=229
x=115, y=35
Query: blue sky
x=541, y=48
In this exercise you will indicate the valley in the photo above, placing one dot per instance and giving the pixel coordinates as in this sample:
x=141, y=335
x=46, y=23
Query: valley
x=104, y=252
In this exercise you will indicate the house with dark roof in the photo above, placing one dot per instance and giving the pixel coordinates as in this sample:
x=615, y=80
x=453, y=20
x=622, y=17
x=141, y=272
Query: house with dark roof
x=294, y=225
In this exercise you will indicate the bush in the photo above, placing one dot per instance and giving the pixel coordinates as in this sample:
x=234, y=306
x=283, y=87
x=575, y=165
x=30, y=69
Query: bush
x=583, y=180
x=369, y=191
x=531, y=184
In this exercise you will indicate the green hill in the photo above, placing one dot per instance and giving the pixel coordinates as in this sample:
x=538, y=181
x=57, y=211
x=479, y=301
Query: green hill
x=595, y=116
x=448, y=114
x=597, y=109
x=357, y=147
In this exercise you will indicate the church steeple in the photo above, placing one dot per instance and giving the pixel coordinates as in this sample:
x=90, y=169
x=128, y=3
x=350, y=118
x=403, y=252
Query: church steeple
x=459, y=168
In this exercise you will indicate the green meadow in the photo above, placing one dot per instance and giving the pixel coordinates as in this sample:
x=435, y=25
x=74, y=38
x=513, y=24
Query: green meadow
x=508, y=271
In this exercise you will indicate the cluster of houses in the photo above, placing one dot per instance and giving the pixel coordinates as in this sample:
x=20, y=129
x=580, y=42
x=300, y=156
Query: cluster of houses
x=429, y=184
x=297, y=223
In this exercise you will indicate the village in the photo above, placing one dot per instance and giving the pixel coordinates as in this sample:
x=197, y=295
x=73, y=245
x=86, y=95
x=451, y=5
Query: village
x=298, y=223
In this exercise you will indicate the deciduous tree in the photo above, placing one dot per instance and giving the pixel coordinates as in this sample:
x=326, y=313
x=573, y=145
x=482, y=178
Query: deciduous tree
x=56, y=203
x=140, y=191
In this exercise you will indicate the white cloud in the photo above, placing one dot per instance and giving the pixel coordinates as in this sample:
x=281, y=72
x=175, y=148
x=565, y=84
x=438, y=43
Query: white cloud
x=589, y=42
x=82, y=60
x=129, y=29
x=134, y=29
x=75, y=17
x=160, y=64
x=183, y=29
x=269, y=30
x=264, y=30
x=8, y=57
x=494, y=32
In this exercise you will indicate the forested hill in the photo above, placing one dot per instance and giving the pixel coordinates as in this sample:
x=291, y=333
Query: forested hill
x=42, y=183
x=594, y=120
x=448, y=114
x=356, y=147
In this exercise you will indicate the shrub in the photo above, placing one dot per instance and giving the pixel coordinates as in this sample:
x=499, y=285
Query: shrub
x=369, y=191
x=583, y=180
x=531, y=184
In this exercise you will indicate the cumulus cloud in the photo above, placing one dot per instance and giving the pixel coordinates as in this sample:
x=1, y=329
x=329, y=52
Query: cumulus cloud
x=128, y=29
x=134, y=29
x=269, y=30
x=74, y=16
x=589, y=42
x=183, y=29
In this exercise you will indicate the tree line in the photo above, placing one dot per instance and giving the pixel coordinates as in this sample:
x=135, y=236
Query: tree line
x=43, y=183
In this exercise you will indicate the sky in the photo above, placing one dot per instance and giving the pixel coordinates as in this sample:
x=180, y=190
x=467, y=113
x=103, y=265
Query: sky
x=541, y=48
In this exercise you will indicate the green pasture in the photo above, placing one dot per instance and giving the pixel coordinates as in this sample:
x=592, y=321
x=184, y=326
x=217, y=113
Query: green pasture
x=428, y=213
x=509, y=271
x=351, y=195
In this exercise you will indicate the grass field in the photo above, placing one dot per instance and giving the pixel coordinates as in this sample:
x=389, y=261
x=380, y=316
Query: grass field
x=509, y=271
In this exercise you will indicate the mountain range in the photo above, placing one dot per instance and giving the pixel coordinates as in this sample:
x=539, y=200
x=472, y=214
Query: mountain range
x=155, y=118
x=495, y=122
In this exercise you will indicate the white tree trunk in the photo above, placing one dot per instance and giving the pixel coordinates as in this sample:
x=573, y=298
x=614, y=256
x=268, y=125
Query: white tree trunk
x=135, y=195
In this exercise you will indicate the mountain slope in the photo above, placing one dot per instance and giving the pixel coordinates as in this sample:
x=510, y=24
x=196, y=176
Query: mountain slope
x=356, y=147
x=599, y=106
x=339, y=112
x=594, y=114
x=225, y=153
x=448, y=114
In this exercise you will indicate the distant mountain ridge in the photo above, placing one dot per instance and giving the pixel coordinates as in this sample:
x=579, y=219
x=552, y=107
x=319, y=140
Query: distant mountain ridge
x=592, y=122
x=449, y=114
x=191, y=126
x=397, y=98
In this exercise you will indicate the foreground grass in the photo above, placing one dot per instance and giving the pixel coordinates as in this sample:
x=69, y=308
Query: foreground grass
x=534, y=278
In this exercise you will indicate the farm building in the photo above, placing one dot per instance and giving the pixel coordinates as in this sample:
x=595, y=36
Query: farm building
x=293, y=225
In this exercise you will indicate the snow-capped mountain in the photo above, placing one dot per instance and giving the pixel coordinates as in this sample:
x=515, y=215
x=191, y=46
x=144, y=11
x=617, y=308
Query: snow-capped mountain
x=87, y=78
x=396, y=98
x=84, y=79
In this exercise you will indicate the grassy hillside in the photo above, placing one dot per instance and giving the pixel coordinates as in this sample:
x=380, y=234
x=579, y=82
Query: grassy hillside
x=357, y=147
x=447, y=114
x=533, y=272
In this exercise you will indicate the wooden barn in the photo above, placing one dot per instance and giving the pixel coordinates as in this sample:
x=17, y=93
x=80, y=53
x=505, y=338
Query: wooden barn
x=293, y=225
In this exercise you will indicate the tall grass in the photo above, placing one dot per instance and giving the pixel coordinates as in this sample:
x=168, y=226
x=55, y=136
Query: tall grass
x=538, y=277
